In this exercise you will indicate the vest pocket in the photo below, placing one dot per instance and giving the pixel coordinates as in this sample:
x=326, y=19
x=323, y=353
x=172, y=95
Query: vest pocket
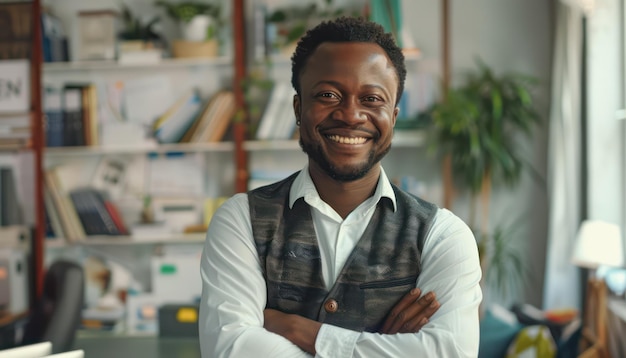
x=389, y=283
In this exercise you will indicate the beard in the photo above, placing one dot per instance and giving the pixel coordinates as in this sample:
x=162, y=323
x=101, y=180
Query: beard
x=346, y=173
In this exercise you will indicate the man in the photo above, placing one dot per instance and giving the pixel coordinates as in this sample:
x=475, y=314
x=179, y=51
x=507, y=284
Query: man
x=332, y=260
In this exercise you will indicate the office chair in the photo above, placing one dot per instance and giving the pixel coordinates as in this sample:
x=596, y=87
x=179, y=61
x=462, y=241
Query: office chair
x=57, y=314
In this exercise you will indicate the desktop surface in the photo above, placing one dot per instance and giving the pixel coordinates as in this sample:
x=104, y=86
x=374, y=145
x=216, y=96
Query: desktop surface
x=138, y=346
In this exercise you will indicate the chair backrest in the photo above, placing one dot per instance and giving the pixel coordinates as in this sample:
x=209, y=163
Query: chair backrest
x=57, y=315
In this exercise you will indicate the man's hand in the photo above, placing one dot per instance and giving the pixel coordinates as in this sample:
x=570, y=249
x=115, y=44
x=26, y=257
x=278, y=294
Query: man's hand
x=297, y=329
x=411, y=313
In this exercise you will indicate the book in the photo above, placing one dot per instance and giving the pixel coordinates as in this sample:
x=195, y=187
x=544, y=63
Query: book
x=271, y=114
x=278, y=121
x=16, y=24
x=54, y=39
x=53, y=116
x=92, y=212
x=73, y=132
x=215, y=119
x=201, y=121
x=10, y=206
x=52, y=215
x=68, y=216
x=171, y=127
x=84, y=114
x=91, y=120
x=15, y=126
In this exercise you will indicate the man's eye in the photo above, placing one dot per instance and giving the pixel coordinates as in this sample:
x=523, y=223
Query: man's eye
x=327, y=95
x=371, y=99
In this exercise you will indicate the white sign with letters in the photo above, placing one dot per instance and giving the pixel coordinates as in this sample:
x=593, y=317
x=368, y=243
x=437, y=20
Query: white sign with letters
x=14, y=86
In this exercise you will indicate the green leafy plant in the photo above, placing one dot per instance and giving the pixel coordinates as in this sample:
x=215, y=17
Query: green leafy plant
x=135, y=29
x=256, y=88
x=293, y=21
x=478, y=126
x=186, y=10
x=502, y=259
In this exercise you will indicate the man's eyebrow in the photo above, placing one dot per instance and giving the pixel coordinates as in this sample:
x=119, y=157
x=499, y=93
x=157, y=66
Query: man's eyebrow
x=338, y=84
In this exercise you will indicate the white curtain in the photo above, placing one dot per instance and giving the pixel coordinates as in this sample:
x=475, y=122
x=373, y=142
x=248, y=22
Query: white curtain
x=562, y=283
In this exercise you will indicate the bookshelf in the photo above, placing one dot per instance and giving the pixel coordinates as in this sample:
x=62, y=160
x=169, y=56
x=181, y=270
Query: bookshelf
x=237, y=155
x=226, y=166
x=17, y=44
x=222, y=164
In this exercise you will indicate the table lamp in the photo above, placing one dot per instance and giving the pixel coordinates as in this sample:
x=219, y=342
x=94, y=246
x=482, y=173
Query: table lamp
x=598, y=243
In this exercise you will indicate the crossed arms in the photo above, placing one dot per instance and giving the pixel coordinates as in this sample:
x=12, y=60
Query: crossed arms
x=409, y=315
x=234, y=322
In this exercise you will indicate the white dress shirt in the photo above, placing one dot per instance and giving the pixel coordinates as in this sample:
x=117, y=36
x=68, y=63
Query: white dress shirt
x=234, y=291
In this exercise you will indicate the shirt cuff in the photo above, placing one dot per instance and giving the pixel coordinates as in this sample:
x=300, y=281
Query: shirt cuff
x=335, y=342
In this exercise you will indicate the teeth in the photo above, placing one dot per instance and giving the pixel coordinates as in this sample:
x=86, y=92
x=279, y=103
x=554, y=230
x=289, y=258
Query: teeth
x=347, y=140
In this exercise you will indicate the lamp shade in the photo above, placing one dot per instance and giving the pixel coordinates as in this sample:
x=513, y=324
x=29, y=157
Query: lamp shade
x=598, y=243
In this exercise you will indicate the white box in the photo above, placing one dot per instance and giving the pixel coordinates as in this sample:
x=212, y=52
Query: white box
x=176, y=278
x=14, y=86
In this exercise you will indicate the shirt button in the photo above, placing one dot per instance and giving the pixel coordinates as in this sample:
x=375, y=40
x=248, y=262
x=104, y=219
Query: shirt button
x=331, y=306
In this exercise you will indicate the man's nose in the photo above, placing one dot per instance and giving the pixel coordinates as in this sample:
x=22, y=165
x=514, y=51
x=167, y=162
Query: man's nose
x=350, y=112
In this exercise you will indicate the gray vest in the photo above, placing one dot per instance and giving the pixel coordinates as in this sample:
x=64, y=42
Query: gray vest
x=381, y=269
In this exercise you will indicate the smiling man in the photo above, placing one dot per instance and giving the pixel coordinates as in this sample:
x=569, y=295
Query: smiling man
x=333, y=261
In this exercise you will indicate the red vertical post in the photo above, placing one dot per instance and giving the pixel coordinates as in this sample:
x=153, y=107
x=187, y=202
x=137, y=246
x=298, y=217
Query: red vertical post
x=239, y=127
x=446, y=170
x=37, y=140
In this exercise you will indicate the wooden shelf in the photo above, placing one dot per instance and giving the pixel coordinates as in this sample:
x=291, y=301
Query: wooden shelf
x=129, y=240
x=77, y=66
x=133, y=149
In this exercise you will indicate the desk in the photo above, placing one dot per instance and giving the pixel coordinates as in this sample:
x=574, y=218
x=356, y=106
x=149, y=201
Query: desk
x=617, y=326
x=138, y=347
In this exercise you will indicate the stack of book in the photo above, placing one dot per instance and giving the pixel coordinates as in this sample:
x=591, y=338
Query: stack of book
x=71, y=115
x=188, y=121
x=81, y=212
x=278, y=120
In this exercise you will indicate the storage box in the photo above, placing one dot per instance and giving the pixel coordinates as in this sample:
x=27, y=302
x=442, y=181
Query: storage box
x=176, y=278
x=14, y=86
x=97, y=31
x=178, y=321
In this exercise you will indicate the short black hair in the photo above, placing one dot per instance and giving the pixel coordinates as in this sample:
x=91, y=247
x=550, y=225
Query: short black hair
x=347, y=29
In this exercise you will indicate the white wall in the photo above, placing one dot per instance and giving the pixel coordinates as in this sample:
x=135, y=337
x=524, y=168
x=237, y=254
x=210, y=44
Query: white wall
x=508, y=35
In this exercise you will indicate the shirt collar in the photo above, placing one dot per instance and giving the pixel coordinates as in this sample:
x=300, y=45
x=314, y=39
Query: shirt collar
x=303, y=187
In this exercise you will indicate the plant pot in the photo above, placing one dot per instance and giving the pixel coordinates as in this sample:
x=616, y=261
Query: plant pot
x=132, y=45
x=195, y=49
x=196, y=29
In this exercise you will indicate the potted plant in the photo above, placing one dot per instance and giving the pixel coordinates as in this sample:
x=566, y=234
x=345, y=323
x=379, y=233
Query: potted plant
x=476, y=127
x=287, y=24
x=138, y=37
x=199, y=23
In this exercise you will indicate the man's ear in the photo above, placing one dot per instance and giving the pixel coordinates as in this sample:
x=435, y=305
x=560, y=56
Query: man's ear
x=395, y=116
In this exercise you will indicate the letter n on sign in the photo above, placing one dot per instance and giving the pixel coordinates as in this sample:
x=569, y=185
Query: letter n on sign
x=14, y=86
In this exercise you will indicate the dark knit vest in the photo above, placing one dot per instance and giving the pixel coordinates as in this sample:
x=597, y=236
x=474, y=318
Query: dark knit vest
x=381, y=269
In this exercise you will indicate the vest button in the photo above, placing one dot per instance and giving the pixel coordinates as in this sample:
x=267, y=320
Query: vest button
x=331, y=306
